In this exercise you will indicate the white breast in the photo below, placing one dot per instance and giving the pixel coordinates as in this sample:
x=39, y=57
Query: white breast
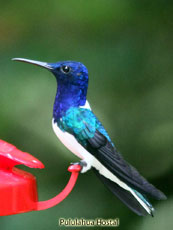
x=75, y=147
x=86, y=106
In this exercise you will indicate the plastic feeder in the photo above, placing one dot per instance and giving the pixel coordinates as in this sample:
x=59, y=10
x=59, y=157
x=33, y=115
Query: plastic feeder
x=18, y=189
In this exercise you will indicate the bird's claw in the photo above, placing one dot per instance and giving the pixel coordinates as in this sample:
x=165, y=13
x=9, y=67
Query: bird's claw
x=82, y=164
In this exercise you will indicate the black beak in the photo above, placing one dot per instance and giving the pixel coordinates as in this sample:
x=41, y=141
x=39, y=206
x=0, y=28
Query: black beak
x=38, y=63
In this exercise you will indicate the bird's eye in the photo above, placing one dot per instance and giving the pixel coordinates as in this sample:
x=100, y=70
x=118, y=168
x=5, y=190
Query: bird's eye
x=65, y=69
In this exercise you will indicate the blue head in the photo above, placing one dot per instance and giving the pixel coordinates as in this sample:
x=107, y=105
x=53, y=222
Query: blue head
x=72, y=79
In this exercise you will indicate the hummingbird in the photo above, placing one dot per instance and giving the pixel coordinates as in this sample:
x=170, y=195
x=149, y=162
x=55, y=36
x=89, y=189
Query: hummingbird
x=78, y=128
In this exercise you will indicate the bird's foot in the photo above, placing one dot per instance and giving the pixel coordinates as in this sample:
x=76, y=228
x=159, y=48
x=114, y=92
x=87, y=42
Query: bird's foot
x=84, y=166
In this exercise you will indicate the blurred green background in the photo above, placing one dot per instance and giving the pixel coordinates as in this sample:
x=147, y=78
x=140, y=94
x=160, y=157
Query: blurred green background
x=127, y=47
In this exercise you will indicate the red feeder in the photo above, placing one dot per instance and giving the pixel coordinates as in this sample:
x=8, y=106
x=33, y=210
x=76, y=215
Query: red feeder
x=18, y=189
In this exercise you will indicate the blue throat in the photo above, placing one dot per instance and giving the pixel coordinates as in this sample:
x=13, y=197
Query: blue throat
x=68, y=95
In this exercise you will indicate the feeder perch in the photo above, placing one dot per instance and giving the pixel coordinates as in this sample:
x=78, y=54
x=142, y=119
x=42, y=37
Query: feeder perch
x=18, y=188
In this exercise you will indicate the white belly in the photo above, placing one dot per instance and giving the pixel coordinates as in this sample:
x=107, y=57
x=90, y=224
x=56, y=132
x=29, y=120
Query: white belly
x=75, y=147
x=70, y=142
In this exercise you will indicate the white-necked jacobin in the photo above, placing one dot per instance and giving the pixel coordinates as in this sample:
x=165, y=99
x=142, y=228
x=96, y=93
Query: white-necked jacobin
x=82, y=133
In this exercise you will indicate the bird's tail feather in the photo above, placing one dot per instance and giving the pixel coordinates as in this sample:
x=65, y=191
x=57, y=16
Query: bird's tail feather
x=133, y=200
